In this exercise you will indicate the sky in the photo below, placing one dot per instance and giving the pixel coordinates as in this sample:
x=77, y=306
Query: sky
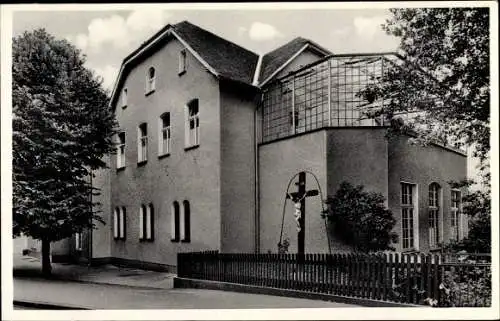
x=108, y=36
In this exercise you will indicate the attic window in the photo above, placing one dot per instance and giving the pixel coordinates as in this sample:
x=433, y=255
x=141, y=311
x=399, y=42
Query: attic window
x=151, y=80
x=182, y=62
x=124, y=98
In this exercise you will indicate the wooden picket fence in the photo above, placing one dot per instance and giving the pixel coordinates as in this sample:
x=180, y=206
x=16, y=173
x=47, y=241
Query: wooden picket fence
x=409, y=278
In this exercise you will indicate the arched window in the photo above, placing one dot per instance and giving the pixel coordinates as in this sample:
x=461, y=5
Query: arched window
x=455, y=214
x=142, y=142
x=146, y=219
x=174, y=221
x=192, y=123
x=116, y=223
x=186, y=222
x=151, y=80
x=123, y=222
x=434, y=214
x=124, y=97
x=164, y=134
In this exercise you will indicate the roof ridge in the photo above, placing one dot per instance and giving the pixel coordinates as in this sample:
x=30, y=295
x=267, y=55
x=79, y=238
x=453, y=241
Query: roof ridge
x=215, y=35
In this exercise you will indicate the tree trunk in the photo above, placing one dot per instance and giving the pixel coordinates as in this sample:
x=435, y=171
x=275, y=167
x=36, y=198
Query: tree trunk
x=46, y=267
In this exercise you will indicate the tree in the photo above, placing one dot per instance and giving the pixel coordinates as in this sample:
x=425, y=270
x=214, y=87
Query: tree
x=443, y=79
x=62, y=127
x=361, y=219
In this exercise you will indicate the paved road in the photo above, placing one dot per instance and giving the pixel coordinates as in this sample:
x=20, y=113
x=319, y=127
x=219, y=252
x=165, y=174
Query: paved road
x=100, y=296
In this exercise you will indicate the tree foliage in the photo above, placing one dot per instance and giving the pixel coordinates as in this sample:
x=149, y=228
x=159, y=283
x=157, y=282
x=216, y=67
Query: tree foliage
x=361, y=219
x=62, y=127
x=443, y=79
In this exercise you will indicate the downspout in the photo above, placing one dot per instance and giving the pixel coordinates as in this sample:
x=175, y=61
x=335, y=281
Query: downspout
x=257, y=188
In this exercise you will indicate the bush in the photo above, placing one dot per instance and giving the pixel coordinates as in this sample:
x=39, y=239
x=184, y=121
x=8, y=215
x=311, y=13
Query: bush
x=360, y=218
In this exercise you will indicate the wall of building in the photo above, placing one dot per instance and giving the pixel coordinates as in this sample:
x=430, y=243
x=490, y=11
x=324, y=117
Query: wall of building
x=423, y=166
x=237, y=169
x=305, y=58
x=357, y=156
x=192, y=175
x=279, y=161
x=102, y=236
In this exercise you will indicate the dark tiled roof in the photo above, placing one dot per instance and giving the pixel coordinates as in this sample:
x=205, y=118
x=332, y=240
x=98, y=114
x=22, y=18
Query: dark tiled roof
x=228, y=59
x=276, y=58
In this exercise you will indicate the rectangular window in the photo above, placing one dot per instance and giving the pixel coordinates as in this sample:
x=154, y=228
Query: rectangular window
x=142, y=148
x=456, y=216
x=165, y=135
x=120, y=151
x=182, y=61
x=192, y=123
x=407, y=215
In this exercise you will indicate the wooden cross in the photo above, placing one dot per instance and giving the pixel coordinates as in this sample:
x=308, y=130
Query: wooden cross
x=300, y=196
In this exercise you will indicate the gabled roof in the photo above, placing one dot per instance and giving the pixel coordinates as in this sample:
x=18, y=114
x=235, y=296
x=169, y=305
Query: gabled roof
x=279, y=58
x=219, y=56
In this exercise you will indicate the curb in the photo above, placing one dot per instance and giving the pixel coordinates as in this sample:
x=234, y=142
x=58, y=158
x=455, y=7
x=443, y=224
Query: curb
x=225, y=286
x=140, y=287
x=46, y=306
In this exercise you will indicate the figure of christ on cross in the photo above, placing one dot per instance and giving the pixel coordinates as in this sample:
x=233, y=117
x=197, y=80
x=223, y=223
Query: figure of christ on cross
x=299, y=200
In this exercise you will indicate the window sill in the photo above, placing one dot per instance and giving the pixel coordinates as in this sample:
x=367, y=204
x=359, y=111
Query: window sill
x=409, y=251
x=120, y=169
x=163, y=155
x=146, y=240
x=180, y=73
x=149, y=92
x=124, y=106
x=141, y=163
x=191, y=147
x=174, y=241
x=119, y=239
x=186, y=241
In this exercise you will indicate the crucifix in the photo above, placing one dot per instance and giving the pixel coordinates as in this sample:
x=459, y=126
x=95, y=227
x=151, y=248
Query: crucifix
x=299, y=200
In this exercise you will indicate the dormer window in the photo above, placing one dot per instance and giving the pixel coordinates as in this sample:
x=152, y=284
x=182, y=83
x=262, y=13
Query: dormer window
x=182, y=62
x=151, y=80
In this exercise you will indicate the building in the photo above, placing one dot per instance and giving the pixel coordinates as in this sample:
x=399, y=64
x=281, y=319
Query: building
x=211, y=134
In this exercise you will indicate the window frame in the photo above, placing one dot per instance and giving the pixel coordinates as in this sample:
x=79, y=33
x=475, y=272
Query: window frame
x=120, y=155
x=410, y=210
x=124, y=99
x=182, y=62
x=434, y=215
x=78, y=241
x=189, y=119
x=119, y=223
x=142, y=143
x=150, y=80
x=146, y=215
x=162, y=132
x=458, y=217
x=185, y=222
x=175, y=222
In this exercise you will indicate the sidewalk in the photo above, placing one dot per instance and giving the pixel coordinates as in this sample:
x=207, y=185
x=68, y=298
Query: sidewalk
x=30, y=267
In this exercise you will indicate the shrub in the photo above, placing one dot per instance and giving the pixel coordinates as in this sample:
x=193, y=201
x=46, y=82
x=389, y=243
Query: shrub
x=360, y=218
